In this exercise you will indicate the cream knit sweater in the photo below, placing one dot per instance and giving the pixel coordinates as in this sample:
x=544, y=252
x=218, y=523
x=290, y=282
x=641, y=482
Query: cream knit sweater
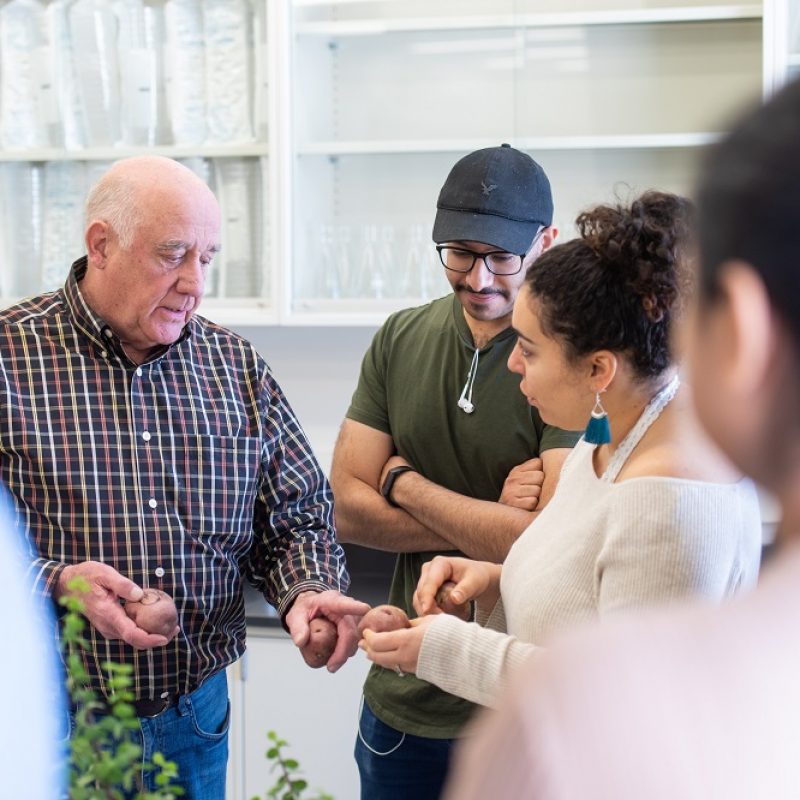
x=597, y=548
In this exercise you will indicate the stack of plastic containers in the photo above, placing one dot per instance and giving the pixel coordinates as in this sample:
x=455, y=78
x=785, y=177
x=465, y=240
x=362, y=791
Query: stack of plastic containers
x=101, y=77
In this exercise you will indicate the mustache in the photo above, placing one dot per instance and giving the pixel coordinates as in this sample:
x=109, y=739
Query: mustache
x=462, y=287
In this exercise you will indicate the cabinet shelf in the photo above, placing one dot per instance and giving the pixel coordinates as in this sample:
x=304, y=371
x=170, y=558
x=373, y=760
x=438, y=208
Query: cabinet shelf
x=638, y=16
x=233, y=313
x=350, y=312
x=615, y=142
x=113, y=153
x=229, y=312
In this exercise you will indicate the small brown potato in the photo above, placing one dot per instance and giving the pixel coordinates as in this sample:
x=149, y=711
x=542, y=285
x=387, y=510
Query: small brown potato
x=155, y=612
x=321, y=643
x=383, y=618
x=460, y=610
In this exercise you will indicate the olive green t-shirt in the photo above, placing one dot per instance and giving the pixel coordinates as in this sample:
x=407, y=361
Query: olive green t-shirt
x=411, y=379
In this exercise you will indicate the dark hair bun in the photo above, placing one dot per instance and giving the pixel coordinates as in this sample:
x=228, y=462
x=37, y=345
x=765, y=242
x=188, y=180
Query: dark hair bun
x=643, y=242
x=620, y=284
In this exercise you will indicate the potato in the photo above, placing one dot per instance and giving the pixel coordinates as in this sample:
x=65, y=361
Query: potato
x=383, y=618
x=155, y=612
x=321, y=642
x=460, y=610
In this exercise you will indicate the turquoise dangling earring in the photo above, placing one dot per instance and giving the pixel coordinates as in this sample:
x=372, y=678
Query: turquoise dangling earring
x=598, y=430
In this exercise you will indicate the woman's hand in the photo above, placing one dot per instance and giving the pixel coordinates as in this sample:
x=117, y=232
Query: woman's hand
x=396, y=650
x=523, y=486
x=473, y=579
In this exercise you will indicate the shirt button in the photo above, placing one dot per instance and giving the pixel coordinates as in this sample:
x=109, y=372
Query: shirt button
x=103, y=354
x=107, y=333
x=152, y=502
x=164, y=695
x=146, y=436
x=139, y=371
x=159, y=572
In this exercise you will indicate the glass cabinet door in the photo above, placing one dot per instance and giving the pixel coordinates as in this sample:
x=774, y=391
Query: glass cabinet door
x=611, y=98
x=86, y=82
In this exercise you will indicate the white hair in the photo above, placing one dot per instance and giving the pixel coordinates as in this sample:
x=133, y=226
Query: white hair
x=114, y=202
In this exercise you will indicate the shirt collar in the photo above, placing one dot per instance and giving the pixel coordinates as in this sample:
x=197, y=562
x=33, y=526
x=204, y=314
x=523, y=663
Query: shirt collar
x=94, y=326
x=465, y=334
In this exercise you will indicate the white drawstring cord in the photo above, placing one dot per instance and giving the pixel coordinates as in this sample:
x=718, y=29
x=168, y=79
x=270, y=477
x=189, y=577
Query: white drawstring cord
x=465, y=401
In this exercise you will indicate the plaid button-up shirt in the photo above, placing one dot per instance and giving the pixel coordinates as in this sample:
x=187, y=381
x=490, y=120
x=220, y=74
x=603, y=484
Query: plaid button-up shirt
x=186, y=473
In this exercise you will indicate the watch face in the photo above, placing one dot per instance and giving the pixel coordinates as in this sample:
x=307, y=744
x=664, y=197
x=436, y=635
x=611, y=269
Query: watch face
x=386, y=489
x=387, y=484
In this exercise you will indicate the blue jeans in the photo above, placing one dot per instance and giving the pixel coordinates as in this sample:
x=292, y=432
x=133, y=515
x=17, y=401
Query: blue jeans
x=193, y=734
x=398, y=766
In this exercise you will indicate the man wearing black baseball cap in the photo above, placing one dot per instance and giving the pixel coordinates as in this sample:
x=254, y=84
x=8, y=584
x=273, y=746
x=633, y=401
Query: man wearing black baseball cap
x=440, y=452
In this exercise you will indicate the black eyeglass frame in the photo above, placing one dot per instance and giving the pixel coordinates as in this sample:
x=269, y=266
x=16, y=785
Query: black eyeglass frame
x=476, y=256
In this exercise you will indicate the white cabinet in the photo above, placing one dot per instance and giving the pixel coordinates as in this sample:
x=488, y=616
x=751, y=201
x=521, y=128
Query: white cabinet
x=327, y=126
x=316, y=712
x=611, y=98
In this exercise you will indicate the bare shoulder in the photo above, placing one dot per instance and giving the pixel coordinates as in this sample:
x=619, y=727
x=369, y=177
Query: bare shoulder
x=677, y=447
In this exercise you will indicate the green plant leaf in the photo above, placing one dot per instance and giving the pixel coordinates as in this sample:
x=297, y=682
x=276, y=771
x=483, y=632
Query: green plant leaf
x=287, y=786
x=105, y=763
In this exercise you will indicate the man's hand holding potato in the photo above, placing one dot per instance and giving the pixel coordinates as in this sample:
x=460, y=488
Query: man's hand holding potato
x=319, y=643
x=103, y=608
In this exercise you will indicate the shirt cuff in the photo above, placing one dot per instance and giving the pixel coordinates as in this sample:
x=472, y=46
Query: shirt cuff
x=287, y=600
x=443, y=637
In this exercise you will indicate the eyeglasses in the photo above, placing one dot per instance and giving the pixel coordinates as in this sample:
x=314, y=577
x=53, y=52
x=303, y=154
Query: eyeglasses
x=498, y=262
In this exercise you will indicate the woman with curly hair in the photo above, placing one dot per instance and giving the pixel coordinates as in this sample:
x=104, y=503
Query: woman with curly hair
x=646, y=509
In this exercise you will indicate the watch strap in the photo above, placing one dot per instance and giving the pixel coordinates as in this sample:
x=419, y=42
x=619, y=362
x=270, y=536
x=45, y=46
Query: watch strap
x=391, y=477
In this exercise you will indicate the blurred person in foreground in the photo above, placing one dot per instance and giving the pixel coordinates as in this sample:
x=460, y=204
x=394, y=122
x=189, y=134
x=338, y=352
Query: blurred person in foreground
x=31, y=700
x=694, y=703
x=646, y=510
x=145, y=447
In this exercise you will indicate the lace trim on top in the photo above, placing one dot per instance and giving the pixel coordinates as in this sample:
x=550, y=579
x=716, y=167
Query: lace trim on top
x=648, y=417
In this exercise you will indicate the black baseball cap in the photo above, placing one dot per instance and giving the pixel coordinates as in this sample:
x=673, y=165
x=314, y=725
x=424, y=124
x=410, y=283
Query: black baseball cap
x=498, y=196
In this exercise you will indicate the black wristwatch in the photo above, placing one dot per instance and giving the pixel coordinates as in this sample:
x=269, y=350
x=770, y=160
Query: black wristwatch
x=391, y=477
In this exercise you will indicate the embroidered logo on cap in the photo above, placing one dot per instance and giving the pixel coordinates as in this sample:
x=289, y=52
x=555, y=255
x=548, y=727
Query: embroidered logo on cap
x=487, y=190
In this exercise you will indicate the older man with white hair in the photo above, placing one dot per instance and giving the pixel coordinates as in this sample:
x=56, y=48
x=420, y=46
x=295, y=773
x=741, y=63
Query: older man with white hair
x=147, y=448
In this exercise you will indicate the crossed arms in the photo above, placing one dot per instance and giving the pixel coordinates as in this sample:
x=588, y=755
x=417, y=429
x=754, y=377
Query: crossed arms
x=430, y=517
